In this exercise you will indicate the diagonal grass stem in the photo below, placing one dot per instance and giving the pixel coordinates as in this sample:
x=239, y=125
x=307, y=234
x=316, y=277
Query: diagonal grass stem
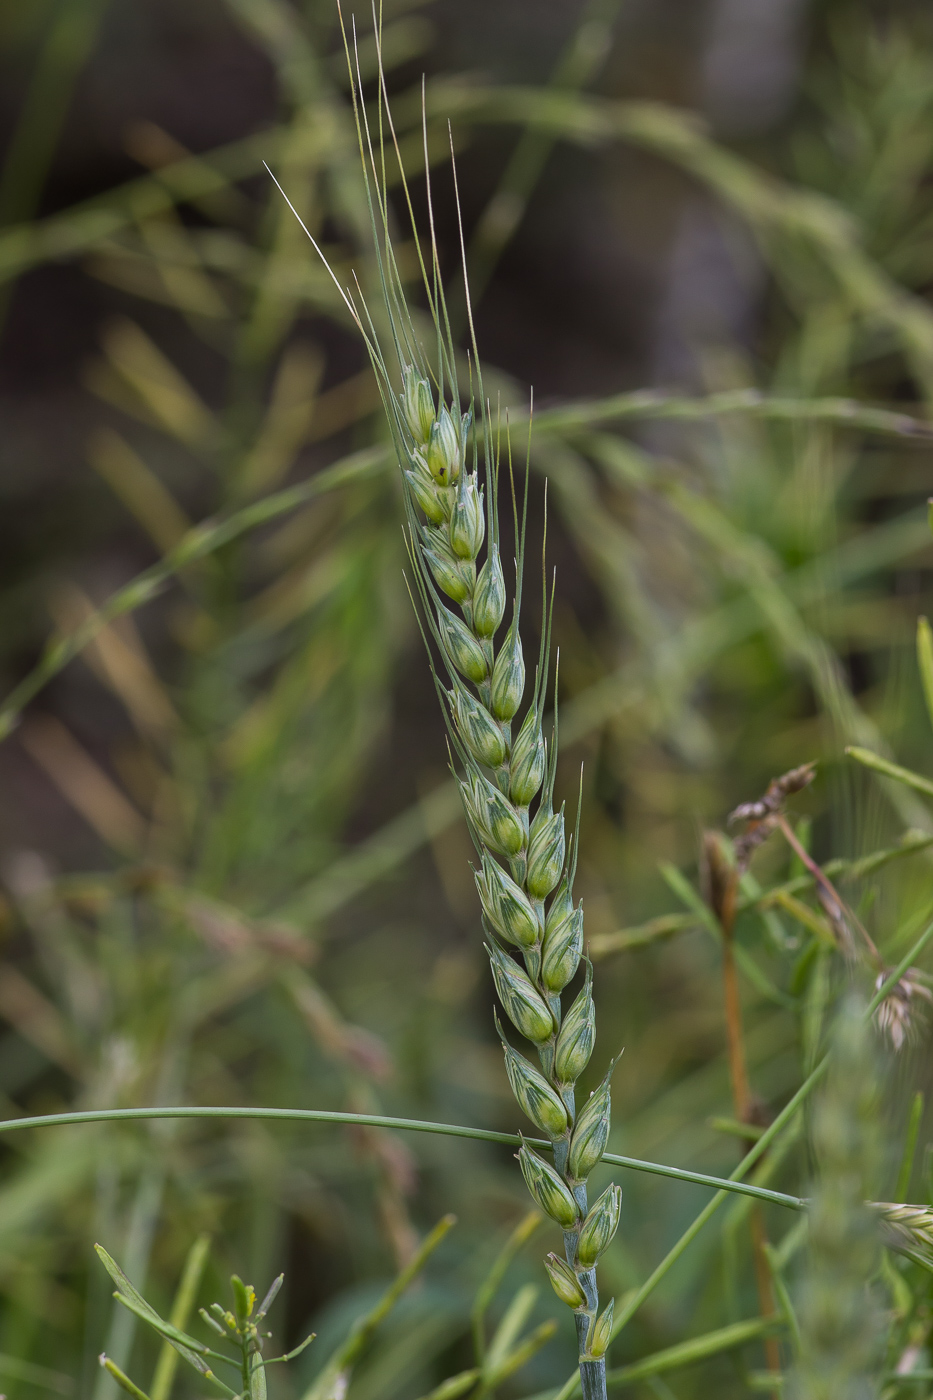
x=197, y=543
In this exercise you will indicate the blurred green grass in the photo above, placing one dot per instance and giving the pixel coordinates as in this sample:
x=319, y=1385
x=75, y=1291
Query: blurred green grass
x=234, y=868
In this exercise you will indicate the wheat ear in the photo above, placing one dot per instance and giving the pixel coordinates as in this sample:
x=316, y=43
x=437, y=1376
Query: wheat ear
x=506, y=771
x=505, y=766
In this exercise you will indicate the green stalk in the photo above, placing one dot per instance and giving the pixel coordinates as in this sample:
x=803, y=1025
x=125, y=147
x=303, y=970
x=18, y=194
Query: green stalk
x=375, y=1120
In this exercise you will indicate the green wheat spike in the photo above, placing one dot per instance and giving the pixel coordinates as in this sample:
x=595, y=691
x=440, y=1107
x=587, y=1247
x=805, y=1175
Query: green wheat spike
x=450, y=468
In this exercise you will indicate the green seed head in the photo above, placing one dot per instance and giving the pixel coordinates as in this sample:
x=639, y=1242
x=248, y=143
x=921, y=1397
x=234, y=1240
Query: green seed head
x=506, y=906
x=417, y=404
x=547, y=1188
x=468, y=521
x=576, y=1038
x=426, y=494
x=564, y=1282
x=546, y=850
x=529, y=758
x=477, y=728
x=600, y=1226
x=601, y=1334
x=496, y=819
x=454, y=576
x=535, y=1096
x=443, y=450
x=489, y=598
x=563, y=940
x=508, y=677
x=590, y=1133
x=461, y=646
x=523, y=1005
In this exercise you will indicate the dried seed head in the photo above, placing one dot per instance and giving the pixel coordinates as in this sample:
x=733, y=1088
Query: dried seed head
x=720, y=879
x=601, y=1334
x=535, y=1096
x=906, y=1227
x=523, y=1005
x=529, y=760
x=564, y=1282
x=754, y=836
x=779, y=789
x=508, y=677
x=506, y=906
x=546, y=850
x=454, y=576
x=590, y=1132
x=417, y=404
x=902, y=1012
x=461, y=646
x=467, y=521
x=577, y=1036
x=489, y=596
x=547, y=1188
x=477, y=728
x=763, y=815
x=495, y=818
x=434, y=503
x=600, y=1226
x=443, y=449
x=563, y=940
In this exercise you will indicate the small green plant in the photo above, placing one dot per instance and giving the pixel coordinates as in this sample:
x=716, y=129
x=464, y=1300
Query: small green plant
x=239, y=1328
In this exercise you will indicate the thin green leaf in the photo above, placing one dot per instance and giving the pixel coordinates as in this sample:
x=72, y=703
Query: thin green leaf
x=339, y=1367
x=891, y=770
x=122, y=1380
x=454, y=1386
x=487, y=1290
x=910, y=1148
x=925, y=662
x=513, y=1320
x=164, y=1374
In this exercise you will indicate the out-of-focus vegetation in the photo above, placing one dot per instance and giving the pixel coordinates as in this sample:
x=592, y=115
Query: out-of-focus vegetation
x=234, y=868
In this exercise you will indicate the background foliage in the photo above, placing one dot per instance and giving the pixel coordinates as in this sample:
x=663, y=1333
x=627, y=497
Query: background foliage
x=234, y=869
